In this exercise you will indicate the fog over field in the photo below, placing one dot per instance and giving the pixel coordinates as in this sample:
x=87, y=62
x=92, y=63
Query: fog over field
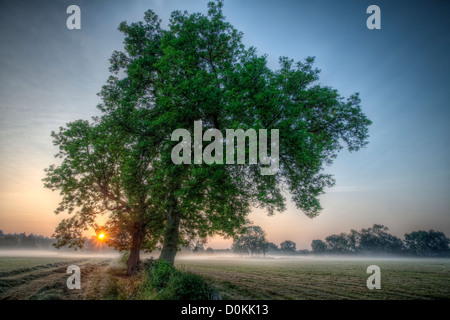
x=42, y=274
x=182, y=256
x=55, y=254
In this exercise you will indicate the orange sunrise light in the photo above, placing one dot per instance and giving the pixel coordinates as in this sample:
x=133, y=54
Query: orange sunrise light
x=101, y=236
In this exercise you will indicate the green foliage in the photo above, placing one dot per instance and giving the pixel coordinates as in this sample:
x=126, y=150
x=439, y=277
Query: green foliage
x=197, y=69
x=431, y=243
x=186, y=286
x=338, y=243
x=200, y=69
x=21, y=240
x=252, y=241
x=102, y=173
x=318, y=246
x=160, y=273
x=272, y=247
x=288, y=246
x=373, y=240
x=162, y=281
x=377, y=240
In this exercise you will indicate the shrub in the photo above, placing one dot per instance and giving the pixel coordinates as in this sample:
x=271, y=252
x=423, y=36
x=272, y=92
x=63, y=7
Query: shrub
x=186, y=286
x=160, y=280
x=160, y=273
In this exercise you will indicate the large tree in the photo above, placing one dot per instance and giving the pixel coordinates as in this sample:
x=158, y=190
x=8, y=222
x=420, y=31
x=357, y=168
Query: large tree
x=199, y=70
x=102, y=173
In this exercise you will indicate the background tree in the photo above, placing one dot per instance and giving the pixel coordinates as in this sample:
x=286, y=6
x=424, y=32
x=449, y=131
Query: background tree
x=102, y=173
x=288, y=246
x=376, y=239
x=251, y=242
x=431, y=243
x=272, y=247
x=198, y=247
x=318, y=246
x=338, y=243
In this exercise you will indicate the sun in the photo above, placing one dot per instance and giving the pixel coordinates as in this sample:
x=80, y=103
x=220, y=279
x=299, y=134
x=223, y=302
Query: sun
x=101, y=236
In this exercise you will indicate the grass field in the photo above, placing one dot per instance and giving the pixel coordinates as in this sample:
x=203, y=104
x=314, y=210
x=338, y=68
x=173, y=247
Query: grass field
x=234, y=278
x=323, y=278
x=44, y=278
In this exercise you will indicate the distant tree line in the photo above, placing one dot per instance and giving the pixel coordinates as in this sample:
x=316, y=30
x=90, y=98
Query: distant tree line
x=373, y=240
x=377, y=240
x=21, y=240
x=32, y=241
x=253, y=241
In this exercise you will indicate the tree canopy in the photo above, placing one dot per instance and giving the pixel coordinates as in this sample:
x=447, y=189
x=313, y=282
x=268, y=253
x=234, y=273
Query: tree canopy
x=252, y=241
x=288, y=246
x=375, y=239
x=102, y=172
x=318, y=246
x=197, y=70
x=427, y=243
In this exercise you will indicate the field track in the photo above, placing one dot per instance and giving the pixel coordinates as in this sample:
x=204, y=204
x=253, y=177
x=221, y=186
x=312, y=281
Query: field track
x=45, y=278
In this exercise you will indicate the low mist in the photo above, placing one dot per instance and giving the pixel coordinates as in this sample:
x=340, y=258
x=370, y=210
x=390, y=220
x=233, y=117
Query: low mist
x=183, y=256
x=55, y=253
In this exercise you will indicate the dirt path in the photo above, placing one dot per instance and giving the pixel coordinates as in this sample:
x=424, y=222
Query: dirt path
x=48, y=281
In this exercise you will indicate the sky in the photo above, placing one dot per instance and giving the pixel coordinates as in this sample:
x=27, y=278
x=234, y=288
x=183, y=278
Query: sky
x=50, y=75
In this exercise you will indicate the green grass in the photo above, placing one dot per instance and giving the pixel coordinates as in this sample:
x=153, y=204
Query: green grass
x=44, y=278
x=237, y=278
x=13, y=264
x=323, y=278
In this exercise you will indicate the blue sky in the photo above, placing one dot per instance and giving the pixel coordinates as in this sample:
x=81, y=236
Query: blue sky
x=50, y=75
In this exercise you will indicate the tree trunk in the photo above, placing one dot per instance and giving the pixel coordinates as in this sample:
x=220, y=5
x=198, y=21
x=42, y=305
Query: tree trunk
x=133, y=260
x=170, y=246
